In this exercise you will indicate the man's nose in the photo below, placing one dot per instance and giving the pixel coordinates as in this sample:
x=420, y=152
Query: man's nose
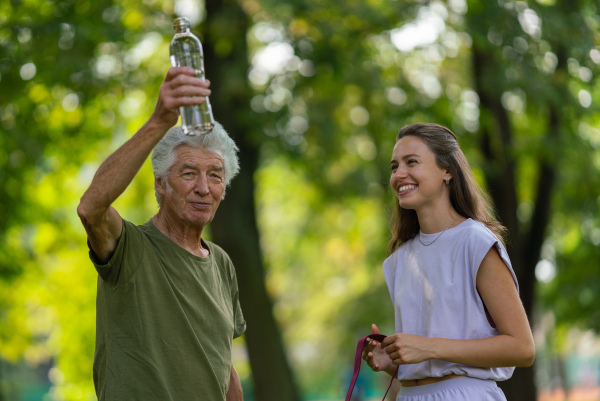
x=202, y=185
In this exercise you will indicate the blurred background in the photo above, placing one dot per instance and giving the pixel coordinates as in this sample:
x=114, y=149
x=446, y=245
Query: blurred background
x=314, y=92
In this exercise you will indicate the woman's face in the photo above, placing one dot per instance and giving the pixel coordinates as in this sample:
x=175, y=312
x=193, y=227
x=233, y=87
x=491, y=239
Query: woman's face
x=416, y=178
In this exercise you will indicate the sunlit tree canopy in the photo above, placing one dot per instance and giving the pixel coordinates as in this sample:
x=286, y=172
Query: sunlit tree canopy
x=315, y=99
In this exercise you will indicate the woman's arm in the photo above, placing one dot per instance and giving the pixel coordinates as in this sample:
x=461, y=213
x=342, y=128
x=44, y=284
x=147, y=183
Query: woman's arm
x=514, y=345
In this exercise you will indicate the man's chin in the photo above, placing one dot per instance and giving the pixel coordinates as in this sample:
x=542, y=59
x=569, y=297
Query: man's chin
x=199, y=220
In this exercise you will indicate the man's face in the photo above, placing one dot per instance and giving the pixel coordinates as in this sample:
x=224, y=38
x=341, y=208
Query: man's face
x=194, y=187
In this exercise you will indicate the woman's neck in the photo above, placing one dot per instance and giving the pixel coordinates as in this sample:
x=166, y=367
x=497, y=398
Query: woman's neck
x=438, y=219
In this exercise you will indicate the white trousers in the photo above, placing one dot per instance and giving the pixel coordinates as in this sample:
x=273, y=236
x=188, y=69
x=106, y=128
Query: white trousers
x=459, y=389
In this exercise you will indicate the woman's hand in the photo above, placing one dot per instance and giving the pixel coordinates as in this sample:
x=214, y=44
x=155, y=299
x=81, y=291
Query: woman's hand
x=407, y=348
x=376, y=357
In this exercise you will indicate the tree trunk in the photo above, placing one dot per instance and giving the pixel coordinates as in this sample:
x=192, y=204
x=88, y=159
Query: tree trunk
x=234, y=226
x=521, y=386
x=234, y=229
x=500, y=171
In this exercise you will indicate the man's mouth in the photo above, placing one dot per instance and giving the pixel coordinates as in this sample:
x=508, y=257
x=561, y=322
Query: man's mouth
x=200, y=204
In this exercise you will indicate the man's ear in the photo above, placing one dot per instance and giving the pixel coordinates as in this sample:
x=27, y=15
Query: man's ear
x=159, y=186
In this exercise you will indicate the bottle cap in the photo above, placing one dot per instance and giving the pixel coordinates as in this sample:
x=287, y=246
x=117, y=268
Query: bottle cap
x=181, y=23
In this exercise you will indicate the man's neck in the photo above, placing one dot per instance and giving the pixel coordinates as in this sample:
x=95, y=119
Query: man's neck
x=186, y=236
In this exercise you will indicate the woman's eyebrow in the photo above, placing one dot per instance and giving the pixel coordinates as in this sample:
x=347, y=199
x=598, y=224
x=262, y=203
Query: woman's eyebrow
x=405, y=157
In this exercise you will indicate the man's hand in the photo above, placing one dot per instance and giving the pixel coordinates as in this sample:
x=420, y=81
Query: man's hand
x=375, y=356
x=180, y=88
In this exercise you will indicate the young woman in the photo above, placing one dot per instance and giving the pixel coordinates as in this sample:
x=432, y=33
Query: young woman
x=460, y=323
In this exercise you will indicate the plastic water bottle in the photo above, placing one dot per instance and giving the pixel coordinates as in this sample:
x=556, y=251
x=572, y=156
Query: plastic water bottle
x=186, y=51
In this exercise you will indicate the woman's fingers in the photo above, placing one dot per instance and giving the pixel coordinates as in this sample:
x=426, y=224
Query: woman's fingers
x=368, y=348
x=369, y=356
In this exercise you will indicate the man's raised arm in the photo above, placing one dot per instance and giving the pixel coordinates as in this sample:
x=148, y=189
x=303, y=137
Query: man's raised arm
x=101, y=221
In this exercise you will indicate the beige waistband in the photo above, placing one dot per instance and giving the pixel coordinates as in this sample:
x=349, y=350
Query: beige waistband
x=427, y=380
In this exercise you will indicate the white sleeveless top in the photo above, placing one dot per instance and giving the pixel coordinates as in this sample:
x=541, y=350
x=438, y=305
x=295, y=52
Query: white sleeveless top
x=434, y=293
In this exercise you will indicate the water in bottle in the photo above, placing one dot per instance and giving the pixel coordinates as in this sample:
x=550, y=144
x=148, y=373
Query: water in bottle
x=186, y=51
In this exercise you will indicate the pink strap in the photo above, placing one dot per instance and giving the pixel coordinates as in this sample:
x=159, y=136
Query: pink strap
x=357, y=360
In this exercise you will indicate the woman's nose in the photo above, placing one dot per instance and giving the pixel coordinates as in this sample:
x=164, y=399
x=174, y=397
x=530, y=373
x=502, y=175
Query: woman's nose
x=400, y=172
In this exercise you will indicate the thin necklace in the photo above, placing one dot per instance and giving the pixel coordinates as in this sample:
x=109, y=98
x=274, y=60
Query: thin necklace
x=436, y=238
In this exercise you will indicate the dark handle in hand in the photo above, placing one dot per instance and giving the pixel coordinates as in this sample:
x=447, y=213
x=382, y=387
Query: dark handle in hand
x=358, y=359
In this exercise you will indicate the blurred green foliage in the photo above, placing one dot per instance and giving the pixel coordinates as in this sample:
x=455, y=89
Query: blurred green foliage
x=333, y=81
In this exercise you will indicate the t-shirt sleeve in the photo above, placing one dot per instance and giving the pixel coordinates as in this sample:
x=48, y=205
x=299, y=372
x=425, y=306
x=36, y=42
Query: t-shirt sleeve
x=389, y=271
x=238, y=317
x=122, y=264
x=481, y=242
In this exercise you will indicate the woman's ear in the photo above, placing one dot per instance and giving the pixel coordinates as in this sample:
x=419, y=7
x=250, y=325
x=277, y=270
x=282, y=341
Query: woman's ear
x=447, y=177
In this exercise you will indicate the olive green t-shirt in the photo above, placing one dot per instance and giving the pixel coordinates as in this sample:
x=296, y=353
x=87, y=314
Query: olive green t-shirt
x=165, y=320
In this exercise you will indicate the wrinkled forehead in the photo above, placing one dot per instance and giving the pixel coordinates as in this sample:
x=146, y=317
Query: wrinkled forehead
x=186, y=154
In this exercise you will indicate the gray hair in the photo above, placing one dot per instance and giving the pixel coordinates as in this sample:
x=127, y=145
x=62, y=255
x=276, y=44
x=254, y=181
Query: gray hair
x=217, y=141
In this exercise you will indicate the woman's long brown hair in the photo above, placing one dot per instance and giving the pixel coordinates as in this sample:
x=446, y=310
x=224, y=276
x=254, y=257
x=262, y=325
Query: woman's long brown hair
x=466, y=196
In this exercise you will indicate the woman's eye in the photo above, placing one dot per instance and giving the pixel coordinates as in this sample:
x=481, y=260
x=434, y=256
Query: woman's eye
x=394, y=168
x=411, y=161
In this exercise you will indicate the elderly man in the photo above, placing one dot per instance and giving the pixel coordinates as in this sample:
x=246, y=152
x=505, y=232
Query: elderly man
x=167, y=306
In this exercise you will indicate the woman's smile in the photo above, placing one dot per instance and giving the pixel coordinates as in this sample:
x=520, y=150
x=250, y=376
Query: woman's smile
x=404, y=189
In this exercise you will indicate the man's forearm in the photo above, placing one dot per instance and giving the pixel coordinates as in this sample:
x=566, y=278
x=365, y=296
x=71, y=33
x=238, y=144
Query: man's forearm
x=117, y=172
x=235, y=387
